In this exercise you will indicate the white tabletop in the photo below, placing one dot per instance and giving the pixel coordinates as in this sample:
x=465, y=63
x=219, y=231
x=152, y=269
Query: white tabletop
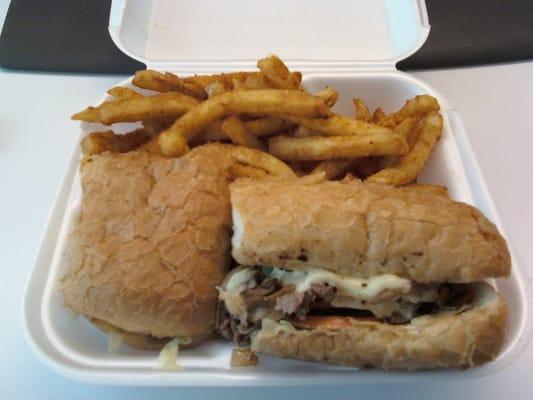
x=37, y=137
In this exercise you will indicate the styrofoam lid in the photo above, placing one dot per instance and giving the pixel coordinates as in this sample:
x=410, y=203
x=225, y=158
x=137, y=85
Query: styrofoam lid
x=204, y=34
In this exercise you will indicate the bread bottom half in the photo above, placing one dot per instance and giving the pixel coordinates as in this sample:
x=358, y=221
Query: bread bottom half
x=145, y=342
x=451, y=339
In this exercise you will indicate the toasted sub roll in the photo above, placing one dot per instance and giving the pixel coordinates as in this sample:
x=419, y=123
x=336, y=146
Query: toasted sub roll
x=452, y=339
x=362, y=230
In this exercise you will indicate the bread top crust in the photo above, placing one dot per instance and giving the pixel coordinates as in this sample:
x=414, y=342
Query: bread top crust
x=362, y=230
x=151, y=241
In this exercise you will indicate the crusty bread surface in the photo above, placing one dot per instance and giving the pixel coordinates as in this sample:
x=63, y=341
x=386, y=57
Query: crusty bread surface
x=362, y=230
x=460, y=339
x=151, y=242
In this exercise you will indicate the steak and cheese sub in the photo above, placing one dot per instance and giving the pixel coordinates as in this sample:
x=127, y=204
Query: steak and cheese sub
x=364, y=275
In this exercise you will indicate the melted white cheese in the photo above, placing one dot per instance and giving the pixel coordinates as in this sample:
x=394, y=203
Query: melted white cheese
x=380, y=287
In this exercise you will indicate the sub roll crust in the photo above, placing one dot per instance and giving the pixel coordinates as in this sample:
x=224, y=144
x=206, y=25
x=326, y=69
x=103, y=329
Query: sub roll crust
x=452, y=339
x=361, y=230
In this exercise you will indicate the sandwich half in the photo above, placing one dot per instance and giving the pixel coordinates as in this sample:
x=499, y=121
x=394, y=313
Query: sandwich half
x=363, y=275
x=150, y=245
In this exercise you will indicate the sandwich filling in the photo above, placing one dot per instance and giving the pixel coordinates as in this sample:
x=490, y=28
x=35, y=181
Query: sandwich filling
x=254, y=294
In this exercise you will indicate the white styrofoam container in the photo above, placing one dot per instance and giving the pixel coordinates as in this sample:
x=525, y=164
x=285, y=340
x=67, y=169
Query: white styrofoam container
x=350, y=45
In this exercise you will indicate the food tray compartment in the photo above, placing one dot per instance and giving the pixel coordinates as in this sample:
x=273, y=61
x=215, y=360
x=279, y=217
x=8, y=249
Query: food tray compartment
x=77, y=349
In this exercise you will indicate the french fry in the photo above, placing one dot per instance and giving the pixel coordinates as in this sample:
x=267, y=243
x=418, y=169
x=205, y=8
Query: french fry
x=138, y=109
x=406, y=129
x=304, y=131
x=277, y=73
x=362, y=113
x=155, y=126
x=378, y=115
x=416, y=107
x=121, y=93
x=239, y=170
x=329, y=148
x=98, y=142
x=338, y=125
x=329, y=95
x=167, y=82
x=408, y=166
x=260, y=127
x=426, y=188
x=333, y=168
x=235, y=129
x=252, y=82
x=226, y=80
x=173, y=141
x=215, y=88
x=259, y=159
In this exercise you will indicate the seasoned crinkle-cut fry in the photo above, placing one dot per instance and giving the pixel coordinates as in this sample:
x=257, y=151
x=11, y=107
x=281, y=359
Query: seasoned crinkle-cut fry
x=173, y=141
x=239, y=170
x=138, y=109
x=407, y=167
x=418, y=106
x=167, y=82
x=333, y=169
x=338, y=125
x=235, y=129
x=328, y=148
x=121, y=93
x=427, y=188
x=277, y=73
x=259, y=159
x=362, y=113
x=98, y=142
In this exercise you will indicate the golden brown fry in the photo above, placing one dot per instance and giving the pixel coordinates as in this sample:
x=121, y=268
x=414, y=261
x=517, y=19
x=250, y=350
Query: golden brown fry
x=260, y=127
x=277, y=73
x=252, y=82
x=329, y=148
x=338, y=125
x=407, y=167
x=239, y=170
x=215, y=88
x=333, y=169
x=235, y=129
x=304, y=131
x=378, y=115
x=98, y=142
x=329, y=95
x=138, y=109
x=259, y=159
x=121, y=93
x=155, y=126
x=173, y=141
x=167, y=82
x=427, y=188
x=225, y=79
x=362, y=113
x=406, y=129
x=416, y=107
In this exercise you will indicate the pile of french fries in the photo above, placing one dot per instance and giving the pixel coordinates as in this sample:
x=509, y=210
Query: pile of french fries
x=279, y=127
